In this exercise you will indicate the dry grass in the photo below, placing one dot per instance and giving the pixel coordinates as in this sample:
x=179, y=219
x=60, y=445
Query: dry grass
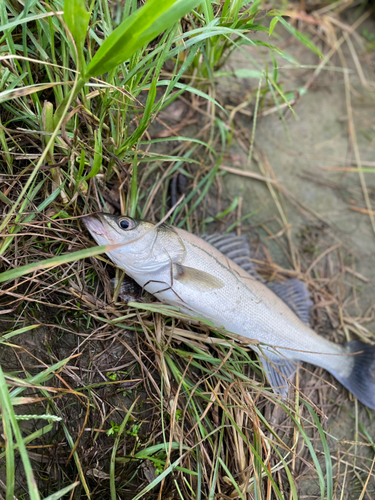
x=135, y=400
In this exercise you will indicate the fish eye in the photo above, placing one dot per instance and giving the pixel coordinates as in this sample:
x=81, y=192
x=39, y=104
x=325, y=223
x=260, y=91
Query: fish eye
x=126, y=223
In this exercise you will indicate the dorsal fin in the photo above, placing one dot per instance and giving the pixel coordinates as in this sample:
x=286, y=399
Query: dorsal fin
x=292, y=291
x=295, y=294
x=235, y=248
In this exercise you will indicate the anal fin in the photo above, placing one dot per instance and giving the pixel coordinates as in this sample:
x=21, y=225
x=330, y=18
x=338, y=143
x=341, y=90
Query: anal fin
x=280, y=371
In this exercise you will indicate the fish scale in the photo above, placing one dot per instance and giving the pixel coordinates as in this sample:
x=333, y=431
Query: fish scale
x=186, y=271
x=253, y=310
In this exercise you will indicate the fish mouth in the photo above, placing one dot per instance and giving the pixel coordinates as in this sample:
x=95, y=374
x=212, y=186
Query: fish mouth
x=95, y=225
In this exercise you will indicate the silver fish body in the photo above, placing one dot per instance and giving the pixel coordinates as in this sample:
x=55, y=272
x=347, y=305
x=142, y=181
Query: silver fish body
x=183, y=270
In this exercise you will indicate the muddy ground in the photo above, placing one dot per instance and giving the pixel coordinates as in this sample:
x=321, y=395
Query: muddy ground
x=313, y=158
x=316, y=223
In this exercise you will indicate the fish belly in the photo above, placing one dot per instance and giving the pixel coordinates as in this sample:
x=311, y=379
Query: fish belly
x=238, y=310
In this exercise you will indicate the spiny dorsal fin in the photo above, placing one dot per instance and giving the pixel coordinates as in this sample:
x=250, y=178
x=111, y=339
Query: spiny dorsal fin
x=292, y=291
x=235, y=248
x=196, y=279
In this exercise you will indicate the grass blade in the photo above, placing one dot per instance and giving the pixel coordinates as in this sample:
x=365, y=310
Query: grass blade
x=327, y=455
x=31, y=437
x=7, y=409
x=312, y=452
x=137, y=31
x=62, y=492
x=9, y=335
x=302, y=38
x=55, y=261
x=9, y=453
x=77, y=19
x=113, y=455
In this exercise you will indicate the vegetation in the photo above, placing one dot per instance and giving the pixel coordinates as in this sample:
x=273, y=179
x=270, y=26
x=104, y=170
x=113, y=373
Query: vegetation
x=101, y=398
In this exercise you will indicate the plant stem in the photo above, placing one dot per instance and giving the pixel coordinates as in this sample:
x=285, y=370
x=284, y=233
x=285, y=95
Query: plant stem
x=60, y=110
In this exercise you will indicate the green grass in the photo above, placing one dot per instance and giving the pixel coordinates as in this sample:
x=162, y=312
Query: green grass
x=183, y=412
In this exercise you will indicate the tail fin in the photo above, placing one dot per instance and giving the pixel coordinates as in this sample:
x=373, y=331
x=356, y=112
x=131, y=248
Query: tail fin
x=361, y=381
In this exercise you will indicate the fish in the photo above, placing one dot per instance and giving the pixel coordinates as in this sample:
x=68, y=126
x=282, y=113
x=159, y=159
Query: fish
x=213, y=278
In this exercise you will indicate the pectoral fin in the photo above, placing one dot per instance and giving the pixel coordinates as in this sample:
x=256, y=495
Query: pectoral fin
x=196, y=279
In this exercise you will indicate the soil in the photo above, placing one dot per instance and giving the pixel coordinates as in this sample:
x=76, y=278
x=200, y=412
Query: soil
x=324, y=207
x=326, y=221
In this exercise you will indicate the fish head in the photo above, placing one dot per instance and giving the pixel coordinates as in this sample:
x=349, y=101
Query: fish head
x=145, y=246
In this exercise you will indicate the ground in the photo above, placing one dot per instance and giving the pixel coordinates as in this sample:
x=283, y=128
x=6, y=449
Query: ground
x=311, y=157
x=307, y=208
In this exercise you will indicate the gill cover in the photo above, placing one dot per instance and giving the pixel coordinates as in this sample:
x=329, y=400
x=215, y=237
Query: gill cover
x=168, y=249
x=147, y=246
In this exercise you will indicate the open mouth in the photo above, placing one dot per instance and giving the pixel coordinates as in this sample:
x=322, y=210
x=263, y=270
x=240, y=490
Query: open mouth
x=94, y=225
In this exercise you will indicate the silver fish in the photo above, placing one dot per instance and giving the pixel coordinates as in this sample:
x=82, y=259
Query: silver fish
x=186, y=271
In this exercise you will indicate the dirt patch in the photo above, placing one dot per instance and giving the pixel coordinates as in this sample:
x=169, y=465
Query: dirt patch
x=313, y=162
x=304, y=209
